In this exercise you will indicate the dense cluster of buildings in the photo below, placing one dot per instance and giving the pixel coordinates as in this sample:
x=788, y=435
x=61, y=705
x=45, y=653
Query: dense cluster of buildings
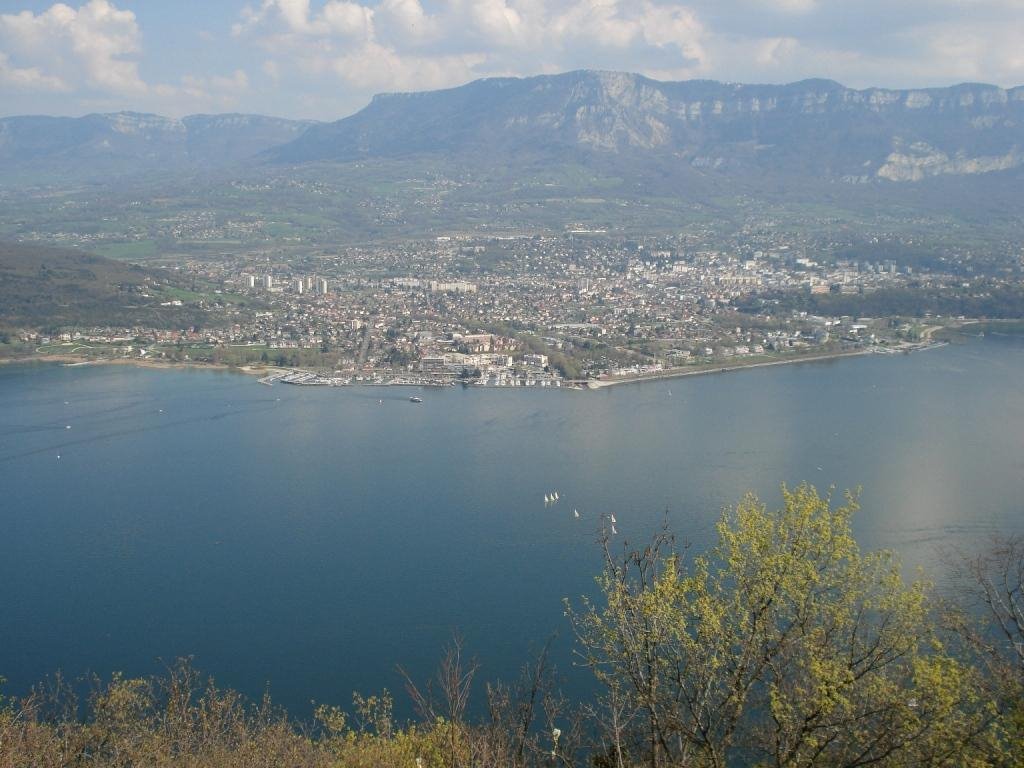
x=529, y=310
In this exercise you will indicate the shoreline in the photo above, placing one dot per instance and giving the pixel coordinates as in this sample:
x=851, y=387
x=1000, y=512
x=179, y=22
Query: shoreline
x=74, y=360
x=678, y=373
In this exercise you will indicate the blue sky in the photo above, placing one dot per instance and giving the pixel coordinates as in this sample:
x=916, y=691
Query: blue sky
x=324, y=59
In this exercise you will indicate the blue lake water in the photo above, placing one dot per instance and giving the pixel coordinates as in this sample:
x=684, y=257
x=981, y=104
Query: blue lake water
x=313, y=538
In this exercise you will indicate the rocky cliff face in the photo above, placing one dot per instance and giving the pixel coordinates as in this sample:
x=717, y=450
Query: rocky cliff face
x=816, y=126
x=814, y=129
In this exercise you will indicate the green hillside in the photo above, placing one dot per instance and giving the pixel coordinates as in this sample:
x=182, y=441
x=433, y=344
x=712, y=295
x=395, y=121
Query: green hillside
x=51, y=288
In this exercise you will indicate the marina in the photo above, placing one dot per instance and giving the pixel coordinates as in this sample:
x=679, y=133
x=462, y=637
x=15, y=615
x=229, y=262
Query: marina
x=313, y=379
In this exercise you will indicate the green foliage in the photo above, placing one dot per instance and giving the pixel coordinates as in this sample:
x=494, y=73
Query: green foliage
x=182, y=721
x=785, y=645
x=50, y=288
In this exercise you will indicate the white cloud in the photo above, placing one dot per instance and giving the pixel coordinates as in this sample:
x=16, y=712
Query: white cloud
x=272, y=70
x=236, y=81
x=93, y=46
x=349, y=20
x=400, y=45
x=975, y=51
x=377, y=67
x=92, y=51
x=28, y=78
x=405, y=21
x=497, y=22
x=325, y=57
x=666, y=26
x=295, y=17
x=934, y=53
x=294, y=12
x=791, y=6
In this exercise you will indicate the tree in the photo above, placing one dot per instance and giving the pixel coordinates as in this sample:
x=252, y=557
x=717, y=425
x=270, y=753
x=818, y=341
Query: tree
x=784, y=645
x=996, y=580
x=990, y=621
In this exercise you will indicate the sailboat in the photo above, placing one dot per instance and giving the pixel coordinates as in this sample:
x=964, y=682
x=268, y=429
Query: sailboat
x=575, y=514
x=614, y=520
x=555, y=497
x=614, y=531
x=547, y=500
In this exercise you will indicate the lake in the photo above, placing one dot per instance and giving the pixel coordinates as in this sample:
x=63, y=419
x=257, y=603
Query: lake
x=310, y=539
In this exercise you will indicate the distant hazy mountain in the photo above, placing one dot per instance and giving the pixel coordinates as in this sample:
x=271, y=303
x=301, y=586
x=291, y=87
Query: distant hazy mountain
x=128, y=142
x=813, y=127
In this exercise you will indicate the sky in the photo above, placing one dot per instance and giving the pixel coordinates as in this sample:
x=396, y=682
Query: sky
x=324, y=59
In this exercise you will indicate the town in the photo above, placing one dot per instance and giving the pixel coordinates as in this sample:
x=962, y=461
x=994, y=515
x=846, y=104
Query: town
x=572, y=309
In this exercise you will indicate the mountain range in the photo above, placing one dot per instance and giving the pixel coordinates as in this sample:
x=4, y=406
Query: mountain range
x=603, y=150
x=810, y=128
x=96, y=146
x=814, y=127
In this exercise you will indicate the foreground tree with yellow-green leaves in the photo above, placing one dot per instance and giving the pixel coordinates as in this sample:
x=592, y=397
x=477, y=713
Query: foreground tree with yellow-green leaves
x=784, y=645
